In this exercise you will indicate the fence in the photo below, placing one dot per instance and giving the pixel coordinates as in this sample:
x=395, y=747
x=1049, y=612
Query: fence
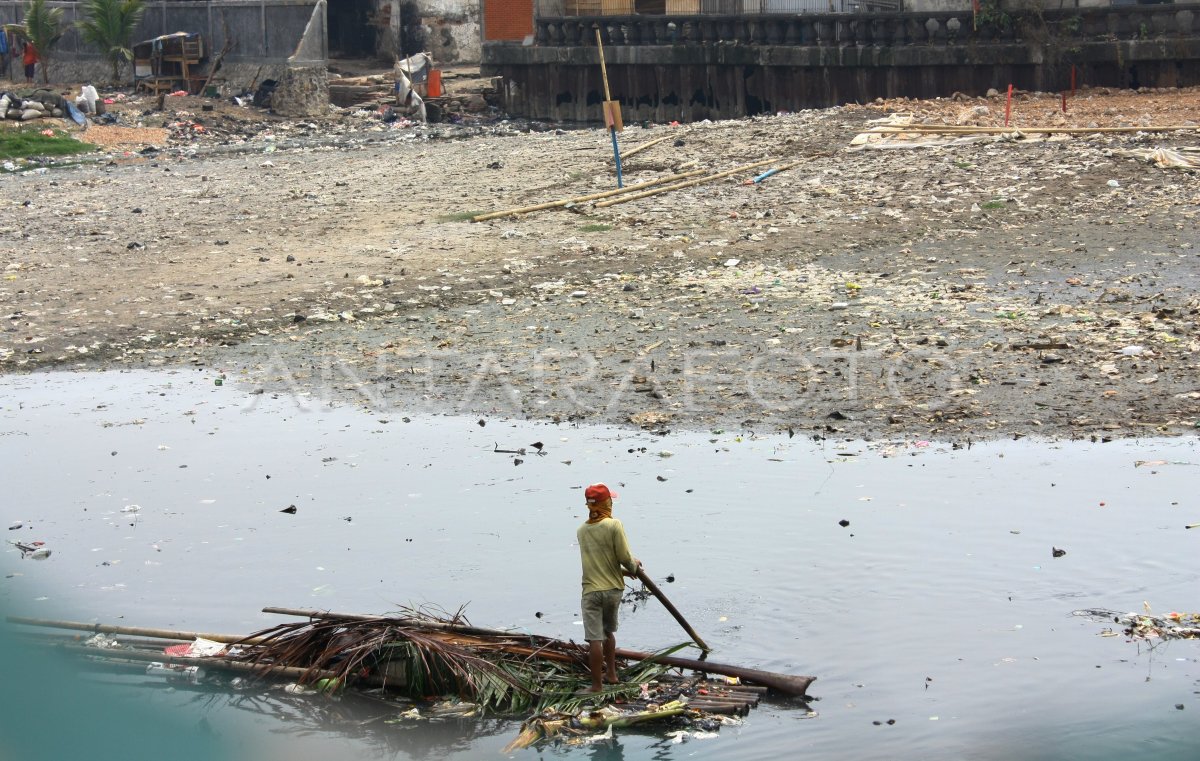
x=261, y=30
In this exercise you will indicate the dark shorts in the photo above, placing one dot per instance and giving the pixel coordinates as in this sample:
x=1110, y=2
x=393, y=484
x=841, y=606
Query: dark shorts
x=29, y=69
x=600, y=613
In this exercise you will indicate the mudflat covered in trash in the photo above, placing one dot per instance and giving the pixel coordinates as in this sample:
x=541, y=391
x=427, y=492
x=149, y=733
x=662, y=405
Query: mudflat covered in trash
x=998, y=285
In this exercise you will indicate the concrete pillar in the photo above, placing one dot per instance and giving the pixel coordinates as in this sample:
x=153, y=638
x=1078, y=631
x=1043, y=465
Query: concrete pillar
x=302, y=91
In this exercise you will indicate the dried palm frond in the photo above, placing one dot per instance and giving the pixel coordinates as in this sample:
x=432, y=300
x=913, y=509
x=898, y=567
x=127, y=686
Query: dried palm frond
x=438, y=655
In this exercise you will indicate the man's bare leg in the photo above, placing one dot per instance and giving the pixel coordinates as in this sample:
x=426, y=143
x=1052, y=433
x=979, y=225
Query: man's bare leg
x=610, y=659
x=596, y=651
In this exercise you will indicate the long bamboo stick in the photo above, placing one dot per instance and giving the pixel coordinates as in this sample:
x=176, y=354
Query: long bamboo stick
x=612, y=111
x=725, y=709
x=208, y=662
x=639, y=148
x=700, y=700
x=681, y=185
x=312, y=613
x=654, y=590
x=710, y=698
x=786, y=683
x=749, y=698
x=157, y=645
x=135, y=631
x=745, y=688
x=584, y=198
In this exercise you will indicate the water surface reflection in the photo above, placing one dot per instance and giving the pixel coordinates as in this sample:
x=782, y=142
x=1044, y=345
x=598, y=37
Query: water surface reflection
x=939, y=605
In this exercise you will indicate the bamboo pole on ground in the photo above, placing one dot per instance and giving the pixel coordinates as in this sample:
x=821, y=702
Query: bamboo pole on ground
x=584, y=198
x=681, y=185
x=638, y=149
x=612, y=110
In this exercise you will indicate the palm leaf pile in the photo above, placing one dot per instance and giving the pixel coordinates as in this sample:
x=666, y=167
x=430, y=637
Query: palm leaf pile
x=426, y=655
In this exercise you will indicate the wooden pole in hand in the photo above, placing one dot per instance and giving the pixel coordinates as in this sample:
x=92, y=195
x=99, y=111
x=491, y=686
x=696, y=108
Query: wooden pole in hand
x=641, y=574
x=612, y=111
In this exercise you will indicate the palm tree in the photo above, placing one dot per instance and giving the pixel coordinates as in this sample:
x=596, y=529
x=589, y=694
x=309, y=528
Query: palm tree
x=109, y=25
x=43, y=27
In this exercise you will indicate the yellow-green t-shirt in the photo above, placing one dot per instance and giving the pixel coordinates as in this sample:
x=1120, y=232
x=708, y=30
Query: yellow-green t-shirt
x=605, y=551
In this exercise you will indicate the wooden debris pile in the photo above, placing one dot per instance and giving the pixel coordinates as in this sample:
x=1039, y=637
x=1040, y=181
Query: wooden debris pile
x=362, y=92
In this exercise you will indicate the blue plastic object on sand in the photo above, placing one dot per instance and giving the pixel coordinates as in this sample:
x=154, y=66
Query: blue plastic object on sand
x=76, y=115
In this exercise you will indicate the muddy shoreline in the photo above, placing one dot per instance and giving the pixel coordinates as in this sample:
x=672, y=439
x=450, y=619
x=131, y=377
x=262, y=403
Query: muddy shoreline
x=991, y=289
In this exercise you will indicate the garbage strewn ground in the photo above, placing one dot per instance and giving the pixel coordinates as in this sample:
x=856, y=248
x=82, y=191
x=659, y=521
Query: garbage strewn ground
x=1002, y=286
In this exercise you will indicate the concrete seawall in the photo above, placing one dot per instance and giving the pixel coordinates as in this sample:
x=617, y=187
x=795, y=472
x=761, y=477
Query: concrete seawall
x=696, y=67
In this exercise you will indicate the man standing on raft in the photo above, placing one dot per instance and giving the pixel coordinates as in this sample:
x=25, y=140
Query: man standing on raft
x=606, y=557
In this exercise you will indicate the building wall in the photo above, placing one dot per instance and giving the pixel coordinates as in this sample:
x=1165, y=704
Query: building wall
x=511, y=20
x=729, y=67
x=449, y=29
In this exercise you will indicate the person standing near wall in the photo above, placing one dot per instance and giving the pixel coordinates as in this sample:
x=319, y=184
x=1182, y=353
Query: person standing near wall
x=5, y=63
x=30, y=59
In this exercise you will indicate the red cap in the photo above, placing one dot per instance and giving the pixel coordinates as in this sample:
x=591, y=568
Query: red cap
x=597, y=493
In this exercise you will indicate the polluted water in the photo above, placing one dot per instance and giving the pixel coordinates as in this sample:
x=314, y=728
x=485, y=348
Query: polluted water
x=933, y=588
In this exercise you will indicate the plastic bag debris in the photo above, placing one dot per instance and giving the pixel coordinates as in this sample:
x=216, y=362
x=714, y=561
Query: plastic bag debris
x=174, y=673
x=1168, y=158
x=32, y=550
x=683, y=734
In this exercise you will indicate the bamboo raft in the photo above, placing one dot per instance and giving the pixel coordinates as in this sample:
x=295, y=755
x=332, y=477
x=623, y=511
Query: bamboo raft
x=422, y=656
